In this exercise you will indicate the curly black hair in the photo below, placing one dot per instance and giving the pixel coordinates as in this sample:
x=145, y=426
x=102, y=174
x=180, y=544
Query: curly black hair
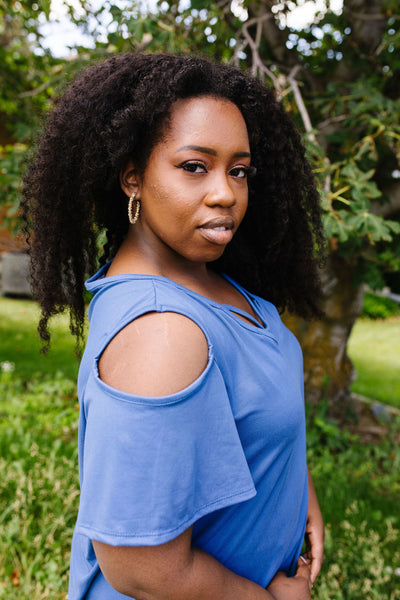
x=118, y=110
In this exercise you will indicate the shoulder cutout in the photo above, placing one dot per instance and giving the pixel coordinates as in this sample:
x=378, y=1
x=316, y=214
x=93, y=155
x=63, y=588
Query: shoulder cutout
x=155, y=355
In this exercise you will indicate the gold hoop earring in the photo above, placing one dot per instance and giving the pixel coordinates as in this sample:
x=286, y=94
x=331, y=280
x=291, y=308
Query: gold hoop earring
x=133, y=217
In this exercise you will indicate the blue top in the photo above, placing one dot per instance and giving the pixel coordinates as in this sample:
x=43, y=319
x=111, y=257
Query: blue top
x=226, y=454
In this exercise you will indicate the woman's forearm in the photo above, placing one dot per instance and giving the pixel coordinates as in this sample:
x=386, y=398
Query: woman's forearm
x=202, y=578
x=212, y=580
x=209, y=579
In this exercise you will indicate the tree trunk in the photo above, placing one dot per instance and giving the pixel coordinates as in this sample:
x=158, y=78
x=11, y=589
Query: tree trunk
x=328, y=371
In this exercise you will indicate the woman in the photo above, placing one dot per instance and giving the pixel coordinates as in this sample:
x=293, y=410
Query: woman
x=191, y=444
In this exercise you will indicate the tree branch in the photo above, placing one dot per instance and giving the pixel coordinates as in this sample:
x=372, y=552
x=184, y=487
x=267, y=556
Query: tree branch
x=36, y=91
x=258, y=68
x=300, y=103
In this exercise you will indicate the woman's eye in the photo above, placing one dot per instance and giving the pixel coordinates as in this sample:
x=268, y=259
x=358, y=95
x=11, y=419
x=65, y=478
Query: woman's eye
x=242, y=172
x=193, y=167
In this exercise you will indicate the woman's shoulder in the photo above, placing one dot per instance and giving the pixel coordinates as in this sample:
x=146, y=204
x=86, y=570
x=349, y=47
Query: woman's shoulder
x=155, y=304
x=166, y=343
x=145, y=324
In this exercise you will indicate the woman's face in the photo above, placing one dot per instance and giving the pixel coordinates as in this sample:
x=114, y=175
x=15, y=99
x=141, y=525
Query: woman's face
x=194, y=190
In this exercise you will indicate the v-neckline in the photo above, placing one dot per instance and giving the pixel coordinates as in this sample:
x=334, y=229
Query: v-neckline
x=247, y=317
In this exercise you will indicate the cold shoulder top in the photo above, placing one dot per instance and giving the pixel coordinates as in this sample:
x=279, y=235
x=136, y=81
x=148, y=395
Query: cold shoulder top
x=226, y=454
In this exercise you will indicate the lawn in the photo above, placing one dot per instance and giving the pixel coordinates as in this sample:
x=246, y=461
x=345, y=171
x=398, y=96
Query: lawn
x=20, y=344
x=374, y=348
x=357, y=481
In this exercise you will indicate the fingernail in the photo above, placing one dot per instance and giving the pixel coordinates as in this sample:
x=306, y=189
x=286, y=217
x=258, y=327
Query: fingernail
x=303, y=559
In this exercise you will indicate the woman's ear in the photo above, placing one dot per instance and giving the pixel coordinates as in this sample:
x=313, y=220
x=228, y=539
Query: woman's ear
x=129, y=180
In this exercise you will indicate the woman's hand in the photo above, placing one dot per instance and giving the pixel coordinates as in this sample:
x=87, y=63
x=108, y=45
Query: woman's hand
x=314, y=532
x=292, y=588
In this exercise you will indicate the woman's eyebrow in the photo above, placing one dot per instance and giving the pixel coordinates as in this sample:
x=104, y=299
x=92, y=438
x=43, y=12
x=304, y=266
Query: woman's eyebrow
x=211, y=151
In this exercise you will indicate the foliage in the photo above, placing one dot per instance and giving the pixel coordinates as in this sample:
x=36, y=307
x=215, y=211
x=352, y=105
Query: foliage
x=379, y=307
x=354, y=104
x=12, y=157
x=29, y=77
x=358, y=177
x=25, y=76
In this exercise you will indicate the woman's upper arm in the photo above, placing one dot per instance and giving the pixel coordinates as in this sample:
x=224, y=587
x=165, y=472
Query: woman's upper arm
x=138, y=569
x=156, y=354
x=176, y=571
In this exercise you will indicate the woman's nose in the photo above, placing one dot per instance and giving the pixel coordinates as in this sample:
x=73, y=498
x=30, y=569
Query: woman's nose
x=221, y=192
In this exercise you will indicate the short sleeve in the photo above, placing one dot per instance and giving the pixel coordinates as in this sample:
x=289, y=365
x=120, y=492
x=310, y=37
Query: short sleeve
x=152, y=466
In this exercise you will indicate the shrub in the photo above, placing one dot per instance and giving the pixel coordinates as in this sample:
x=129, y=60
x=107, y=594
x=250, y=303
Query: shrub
x=379, y=307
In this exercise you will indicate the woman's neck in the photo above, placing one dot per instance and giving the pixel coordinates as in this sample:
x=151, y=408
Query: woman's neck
x=131, y=258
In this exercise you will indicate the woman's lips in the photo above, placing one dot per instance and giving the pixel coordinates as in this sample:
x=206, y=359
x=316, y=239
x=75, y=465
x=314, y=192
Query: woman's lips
x=218, y=231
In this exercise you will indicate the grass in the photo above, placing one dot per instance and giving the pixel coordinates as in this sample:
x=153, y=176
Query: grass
x=358, y=489
x=20, y=344
x=38, y=485
x=357, y=482
x=374, y=348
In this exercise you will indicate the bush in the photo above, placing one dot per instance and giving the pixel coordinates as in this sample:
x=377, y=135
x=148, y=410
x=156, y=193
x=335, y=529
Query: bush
x=379, y=307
